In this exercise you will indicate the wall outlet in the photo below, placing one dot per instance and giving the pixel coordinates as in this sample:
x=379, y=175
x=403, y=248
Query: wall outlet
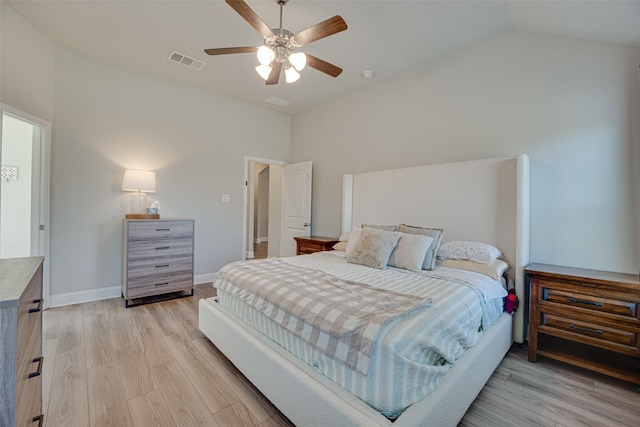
x=226, y=198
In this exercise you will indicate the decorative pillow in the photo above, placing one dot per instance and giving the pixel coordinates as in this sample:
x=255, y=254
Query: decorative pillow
x=495, y=270
x=471, y=251
x=381, y=227
x=410, y=252
x=373, y=248
x=354, y=236
x=340, y=246
x=435, y=233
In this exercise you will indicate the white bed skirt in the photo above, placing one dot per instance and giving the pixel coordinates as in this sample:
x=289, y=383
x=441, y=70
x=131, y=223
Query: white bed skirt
x=308, y=398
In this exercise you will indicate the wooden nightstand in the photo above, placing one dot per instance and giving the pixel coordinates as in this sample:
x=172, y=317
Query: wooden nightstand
x=309, y=245
x=587, y=318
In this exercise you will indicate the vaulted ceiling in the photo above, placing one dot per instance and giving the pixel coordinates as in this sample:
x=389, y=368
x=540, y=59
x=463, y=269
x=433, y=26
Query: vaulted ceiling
x=387, y=37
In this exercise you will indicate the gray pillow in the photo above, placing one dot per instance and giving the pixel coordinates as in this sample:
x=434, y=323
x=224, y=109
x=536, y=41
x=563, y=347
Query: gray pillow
x=410, y=252
x=373, y=248
x=381, y=227
x=436, y=233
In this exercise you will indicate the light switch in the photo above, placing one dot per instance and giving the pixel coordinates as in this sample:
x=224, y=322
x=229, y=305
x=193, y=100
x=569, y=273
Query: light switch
x=226, y=198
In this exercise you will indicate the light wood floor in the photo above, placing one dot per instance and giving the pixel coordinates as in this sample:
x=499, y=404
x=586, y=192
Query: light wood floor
x=149, y=365
x=260, y=250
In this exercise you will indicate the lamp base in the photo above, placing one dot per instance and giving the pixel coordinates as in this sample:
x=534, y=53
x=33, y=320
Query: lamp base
x=142, y=216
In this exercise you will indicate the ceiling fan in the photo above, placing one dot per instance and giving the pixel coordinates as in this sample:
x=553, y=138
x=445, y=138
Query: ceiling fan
x=280, y=44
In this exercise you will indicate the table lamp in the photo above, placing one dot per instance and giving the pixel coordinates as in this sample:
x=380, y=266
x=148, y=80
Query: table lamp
x=141, y=182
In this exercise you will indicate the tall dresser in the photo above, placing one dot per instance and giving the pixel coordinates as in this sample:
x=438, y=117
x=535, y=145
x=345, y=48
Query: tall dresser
x=21, y=342
x=157, y=257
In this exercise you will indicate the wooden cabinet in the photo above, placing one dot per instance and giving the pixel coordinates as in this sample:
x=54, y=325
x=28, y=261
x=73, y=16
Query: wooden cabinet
x=157, y=257
x=21, y=342
x=309, y=245
x=587, y=318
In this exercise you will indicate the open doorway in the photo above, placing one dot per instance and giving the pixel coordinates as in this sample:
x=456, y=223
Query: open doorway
x=263, y=187
x=24, y=188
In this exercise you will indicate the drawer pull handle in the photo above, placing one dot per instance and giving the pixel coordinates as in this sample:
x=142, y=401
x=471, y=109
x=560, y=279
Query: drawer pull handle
x=39, y=370
x=163, y=265
x=162, y=248
x=162, y=284
x=581, y=301
x=578, y=328
x=39, y=308
x=163, y=229
x=39, y=419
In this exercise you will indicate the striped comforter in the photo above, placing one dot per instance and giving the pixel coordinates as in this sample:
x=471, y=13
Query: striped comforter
x=410, y=356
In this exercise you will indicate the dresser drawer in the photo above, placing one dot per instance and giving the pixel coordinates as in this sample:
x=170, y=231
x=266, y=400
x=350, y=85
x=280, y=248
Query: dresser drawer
x=160, y=229
x=29, y=314
x=159, y=248
x=151, y=267
x=159, y=284
x=29, y=379
x=590, y=302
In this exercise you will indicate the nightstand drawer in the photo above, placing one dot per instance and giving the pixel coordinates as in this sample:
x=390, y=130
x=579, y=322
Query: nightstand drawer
x=591, y=302
x=588, y=329
x=160, y=229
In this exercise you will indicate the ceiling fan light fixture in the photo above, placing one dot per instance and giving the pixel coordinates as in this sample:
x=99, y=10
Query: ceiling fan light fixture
x=291, y=75
x=264, y=70
x=265, y=55
x=298, y=60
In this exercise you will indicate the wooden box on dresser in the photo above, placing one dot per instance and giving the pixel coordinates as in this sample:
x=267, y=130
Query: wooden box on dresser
x=157, y=257
x=21, y=342
x=587, y=318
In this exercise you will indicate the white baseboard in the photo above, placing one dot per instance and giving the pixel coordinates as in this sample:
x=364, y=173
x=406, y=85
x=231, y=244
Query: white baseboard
x=89, y=295
x=203, y=278
x=84, y=296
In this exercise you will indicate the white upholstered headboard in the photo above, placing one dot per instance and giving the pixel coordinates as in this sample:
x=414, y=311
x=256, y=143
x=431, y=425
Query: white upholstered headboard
x=481, y=200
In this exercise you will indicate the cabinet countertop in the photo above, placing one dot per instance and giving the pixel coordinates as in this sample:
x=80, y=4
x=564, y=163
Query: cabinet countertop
x=15, y=274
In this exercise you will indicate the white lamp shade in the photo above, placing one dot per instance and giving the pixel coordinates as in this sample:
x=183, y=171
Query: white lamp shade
x=298, y=60
x=265, y=55
x=291, y=75
x=264, y=71
x=138, y=180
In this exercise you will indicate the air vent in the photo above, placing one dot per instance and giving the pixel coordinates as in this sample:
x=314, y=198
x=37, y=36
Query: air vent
x=185, y=60
x=277, y=101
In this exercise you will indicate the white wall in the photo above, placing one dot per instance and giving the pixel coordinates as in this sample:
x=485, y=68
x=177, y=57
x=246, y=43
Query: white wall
x=27, y=63
x=566, y=103
x=108, y=119
x=15, y=209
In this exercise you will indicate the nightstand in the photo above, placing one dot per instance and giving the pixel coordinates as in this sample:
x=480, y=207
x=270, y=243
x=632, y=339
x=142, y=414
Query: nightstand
x=309, y=245
x=586, y=318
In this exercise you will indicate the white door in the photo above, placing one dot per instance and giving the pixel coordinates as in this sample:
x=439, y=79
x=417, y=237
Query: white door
x=24, y=188
x=296, y=205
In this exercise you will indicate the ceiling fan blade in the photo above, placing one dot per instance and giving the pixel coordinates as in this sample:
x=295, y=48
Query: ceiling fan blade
x=323, y=66
x=228, y=50
x=251, y=17
x=319, y=31
x=274, y=76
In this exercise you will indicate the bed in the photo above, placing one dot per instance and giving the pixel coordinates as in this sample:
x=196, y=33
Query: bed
x=497, y=191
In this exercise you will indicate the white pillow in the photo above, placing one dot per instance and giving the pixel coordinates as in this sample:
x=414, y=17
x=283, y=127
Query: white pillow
x=410, y=252
x=495, y=270
x=374, y=248
x=471, y=251
x=354, y=236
